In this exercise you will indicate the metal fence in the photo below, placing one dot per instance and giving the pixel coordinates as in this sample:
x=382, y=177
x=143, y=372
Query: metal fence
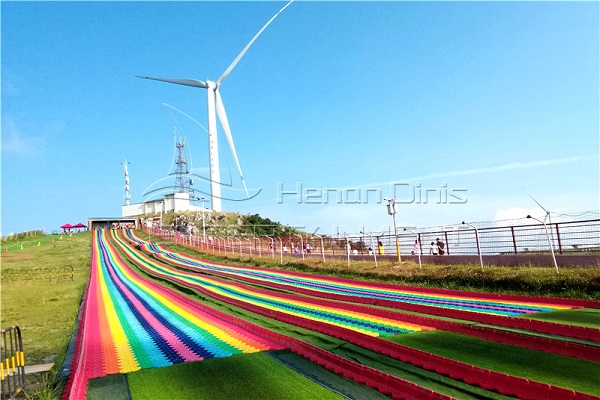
x=566, y=233
x=12, y=363
x=566, y=237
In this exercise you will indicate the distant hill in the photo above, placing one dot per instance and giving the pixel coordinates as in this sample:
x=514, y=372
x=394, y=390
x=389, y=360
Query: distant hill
x=222, y=224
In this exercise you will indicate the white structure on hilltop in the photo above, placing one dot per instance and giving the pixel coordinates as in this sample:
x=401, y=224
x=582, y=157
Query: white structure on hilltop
x=174, y=202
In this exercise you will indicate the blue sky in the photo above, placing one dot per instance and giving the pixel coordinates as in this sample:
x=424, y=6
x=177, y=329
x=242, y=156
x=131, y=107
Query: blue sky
x=473, y=99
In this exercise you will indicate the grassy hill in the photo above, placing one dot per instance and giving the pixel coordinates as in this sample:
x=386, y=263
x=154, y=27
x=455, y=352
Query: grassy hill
x=46, y=309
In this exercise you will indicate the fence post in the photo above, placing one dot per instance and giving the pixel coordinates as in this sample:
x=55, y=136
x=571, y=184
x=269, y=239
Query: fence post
x=447, y=244
x=512, y=231
x=558, y=237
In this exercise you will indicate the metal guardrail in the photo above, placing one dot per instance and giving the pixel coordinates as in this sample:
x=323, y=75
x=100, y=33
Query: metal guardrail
x=568, y=237
x=12, y=366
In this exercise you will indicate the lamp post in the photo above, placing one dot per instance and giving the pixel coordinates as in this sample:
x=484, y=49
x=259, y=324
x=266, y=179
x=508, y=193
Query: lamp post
x=391, y=206
x=419, y=243
x=549, y=241
x=476, y=240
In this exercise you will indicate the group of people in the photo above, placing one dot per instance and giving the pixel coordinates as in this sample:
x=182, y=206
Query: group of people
x=306, y=248
x=436, y=248
x=380, y=249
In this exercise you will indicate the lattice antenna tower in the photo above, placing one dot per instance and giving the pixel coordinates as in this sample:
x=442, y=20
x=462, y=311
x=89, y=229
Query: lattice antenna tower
x=182, y=173
x=127, y=196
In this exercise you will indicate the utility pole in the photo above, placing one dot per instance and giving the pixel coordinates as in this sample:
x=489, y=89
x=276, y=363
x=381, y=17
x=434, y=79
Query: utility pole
x=391, y=206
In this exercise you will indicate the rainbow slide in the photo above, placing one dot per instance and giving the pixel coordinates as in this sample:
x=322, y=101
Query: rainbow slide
x=363, y=289
x=129, y=322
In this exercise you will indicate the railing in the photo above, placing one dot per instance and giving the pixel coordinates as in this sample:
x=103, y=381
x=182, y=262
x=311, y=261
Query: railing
x=12, y=368
x=573, y=237
x=566, y=237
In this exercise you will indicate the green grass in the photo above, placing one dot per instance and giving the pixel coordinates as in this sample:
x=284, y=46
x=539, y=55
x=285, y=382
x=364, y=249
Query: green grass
x=535, y=365
x=588, y=317
x=45, y=311
x=539, y=366
x=30, y=239
x=572, y=282
x=245, y=376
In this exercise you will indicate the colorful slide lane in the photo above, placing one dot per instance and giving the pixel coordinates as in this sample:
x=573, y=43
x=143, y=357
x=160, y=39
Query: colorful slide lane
x=322, y=284
x=130, y=322
x=200, y=280
x=485, y=378
x=479, y=307
x=329, y=312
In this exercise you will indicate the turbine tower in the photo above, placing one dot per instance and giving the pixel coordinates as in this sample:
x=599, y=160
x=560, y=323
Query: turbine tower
x=215, y=107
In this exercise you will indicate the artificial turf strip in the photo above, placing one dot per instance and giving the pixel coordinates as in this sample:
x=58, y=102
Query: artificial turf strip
x=427, y=379
x=588, y=317
x=329, y=379
x=248, y=376
x=417, y=375
x=113, y=387
x=566, y=372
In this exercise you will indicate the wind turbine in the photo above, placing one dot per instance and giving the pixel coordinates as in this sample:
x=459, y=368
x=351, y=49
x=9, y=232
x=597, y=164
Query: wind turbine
x=215, y=105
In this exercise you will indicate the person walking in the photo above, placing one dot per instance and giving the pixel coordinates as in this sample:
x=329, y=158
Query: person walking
x=440, y=246
x=433, y=249
x=416, y=249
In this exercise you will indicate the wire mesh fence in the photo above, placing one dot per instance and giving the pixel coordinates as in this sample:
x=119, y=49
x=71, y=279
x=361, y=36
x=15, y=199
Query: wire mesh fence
x=567, y=234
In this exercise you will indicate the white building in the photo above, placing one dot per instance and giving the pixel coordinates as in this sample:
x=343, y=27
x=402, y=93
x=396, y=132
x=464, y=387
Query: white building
x=174, y=202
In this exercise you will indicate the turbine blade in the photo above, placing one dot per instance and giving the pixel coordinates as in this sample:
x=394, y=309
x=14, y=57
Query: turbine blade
x=225, y=124
x=537, y=202
x=239, y=57
x=185, y=82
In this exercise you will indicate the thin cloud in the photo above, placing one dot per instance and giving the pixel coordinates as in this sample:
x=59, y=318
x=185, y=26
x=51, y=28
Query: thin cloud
x=14, y=142
x=10, y=84
x=499, y=168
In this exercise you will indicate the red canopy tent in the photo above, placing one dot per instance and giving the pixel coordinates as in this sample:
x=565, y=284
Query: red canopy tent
x=79, y=225
x=66, y=227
